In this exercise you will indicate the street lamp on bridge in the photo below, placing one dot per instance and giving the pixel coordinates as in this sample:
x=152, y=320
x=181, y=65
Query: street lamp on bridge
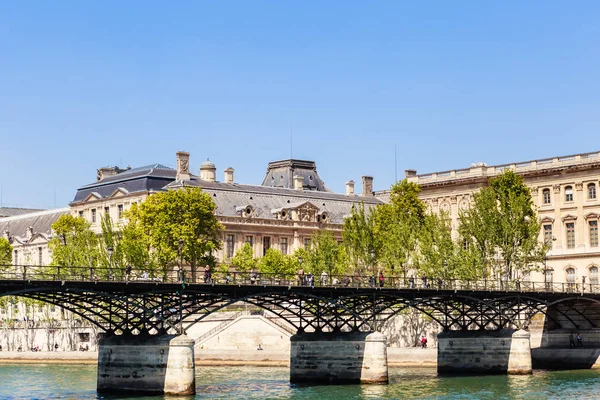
x=109, y=250
x=180, y=260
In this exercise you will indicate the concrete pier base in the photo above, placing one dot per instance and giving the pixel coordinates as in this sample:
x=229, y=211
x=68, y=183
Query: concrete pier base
x=147, y=364
x=505, y=351
x=339, y=358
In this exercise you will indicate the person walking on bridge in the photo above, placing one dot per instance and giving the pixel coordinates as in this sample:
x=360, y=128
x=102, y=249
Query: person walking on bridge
x=127, y=273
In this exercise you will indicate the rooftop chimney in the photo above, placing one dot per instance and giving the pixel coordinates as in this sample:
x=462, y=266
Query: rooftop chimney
x=367, y=185
x=410, y=173
x=183, y=166
x=350, y=188
x=208, y=171
x=229, y=175
x=105, y=172
x=298, y=182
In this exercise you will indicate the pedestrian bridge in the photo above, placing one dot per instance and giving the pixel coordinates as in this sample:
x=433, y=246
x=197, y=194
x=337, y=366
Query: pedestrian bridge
x=336, y=317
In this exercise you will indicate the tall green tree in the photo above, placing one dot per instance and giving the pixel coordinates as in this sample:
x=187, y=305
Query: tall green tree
x=244, y=260
x=439, y=256
x=397, y=227
x=74, y=244
x=360, y=238
x=502, y=227
x=166, y=218
x=5, y=254
x=326, y=255
x=274, y=263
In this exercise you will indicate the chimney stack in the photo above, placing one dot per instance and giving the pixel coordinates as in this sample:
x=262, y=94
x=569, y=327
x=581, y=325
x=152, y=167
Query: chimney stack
x=298, y=182
x=105, y=172
x=350, y=188
x=367, y=185
x=229, y=175
x=410, y=173
x=208, y=171
x=183, y=166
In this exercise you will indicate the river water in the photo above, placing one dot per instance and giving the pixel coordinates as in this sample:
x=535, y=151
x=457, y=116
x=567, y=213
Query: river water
x=79, y=382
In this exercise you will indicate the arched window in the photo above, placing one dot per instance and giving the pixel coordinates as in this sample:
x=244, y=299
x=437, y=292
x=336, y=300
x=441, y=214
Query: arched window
x=569, y=193
x=591, y=191
x=571, y=279
x=594, y=275
x=546, y=196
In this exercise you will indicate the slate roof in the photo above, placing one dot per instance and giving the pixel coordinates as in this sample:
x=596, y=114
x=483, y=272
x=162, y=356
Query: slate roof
x=41, y=222
x=280, y=174
x=12, y=211
x=149, y=178
x=231, y=198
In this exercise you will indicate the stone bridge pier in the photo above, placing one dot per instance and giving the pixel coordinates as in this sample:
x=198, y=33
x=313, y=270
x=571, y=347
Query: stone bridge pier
x=339, y=358
x=504, y=351
x=159, y=364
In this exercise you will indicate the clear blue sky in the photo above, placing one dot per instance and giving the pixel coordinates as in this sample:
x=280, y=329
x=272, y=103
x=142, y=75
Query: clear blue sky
x=90, y=84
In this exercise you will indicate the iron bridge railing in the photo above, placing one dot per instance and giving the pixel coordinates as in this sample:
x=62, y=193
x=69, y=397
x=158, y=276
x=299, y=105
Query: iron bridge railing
x=98, y=275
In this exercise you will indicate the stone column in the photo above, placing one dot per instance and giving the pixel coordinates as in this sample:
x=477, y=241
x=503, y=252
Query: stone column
x=146, y=364
x=506, y=351
x=339, y=358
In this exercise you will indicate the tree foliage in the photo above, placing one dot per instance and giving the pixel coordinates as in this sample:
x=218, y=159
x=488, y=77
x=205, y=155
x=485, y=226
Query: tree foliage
x=326, y=255
x=5, y=253
x=360, y=238
x=244, y=260
x=274, y=263
x=501, y=228
x=157, y=226
x=73, y=244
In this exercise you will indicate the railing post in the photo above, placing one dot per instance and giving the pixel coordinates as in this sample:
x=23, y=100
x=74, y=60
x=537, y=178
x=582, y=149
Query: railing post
x=24, y=272
x=58, y=273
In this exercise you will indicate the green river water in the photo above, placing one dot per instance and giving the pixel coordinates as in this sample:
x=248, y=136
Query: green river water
x=79, y=382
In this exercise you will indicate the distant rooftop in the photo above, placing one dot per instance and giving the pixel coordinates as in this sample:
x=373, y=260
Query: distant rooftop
x=14, y=211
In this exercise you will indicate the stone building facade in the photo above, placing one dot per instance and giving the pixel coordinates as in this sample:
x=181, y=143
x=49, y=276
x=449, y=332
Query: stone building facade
x=565, y=194
x=282, y=213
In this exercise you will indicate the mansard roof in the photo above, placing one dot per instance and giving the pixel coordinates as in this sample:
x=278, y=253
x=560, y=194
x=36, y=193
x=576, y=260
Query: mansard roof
x=40, y=221
x=143, y=179
x=281, y=174
x=229, y=199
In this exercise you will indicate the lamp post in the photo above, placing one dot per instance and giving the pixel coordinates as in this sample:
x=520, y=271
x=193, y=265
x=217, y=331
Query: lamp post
x=110, y=253
x=373, y=266
x=181, y=260
x=301, y=276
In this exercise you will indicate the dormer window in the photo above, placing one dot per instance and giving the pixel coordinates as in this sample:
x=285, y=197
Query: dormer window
x=569, y=193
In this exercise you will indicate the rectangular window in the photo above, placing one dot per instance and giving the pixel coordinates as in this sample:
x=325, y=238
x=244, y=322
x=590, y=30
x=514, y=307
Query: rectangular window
x=549, y=275
x=106, y=210
x=250, y=240
x=568, y=193
x=593, y=233
x=306, y=243
x=546, y=196
x=266, y=244
x=39, y=256
x=16, y=260
x=93, y=215
x=80, y=214
x=570, y=235
x=548, y=235
x=591, y=191
x=230, y=245
x=120, y=211
x=84, y=336
x=283, y=245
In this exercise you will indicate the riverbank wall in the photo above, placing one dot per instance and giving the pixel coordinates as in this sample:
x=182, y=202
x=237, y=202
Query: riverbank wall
x=397, y=357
